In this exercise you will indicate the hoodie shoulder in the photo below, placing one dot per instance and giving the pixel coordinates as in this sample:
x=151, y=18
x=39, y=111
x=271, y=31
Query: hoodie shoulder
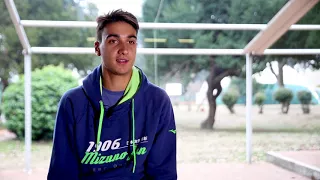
x=73, y=93
x=157, y=93
x=76, y=99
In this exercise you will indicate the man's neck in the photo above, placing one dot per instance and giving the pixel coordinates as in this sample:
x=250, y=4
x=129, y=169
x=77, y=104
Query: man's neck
x=114, y=82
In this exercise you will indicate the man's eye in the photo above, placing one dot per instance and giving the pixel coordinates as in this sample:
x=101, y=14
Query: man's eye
x=112, y=41
x=132, y=42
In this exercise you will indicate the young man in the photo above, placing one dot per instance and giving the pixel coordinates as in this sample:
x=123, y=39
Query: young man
x=117, y=125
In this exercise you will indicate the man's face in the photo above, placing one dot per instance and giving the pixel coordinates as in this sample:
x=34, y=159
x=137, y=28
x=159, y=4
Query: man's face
x=118, y=47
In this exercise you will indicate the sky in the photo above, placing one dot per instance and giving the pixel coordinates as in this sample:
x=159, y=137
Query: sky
x=133, y=6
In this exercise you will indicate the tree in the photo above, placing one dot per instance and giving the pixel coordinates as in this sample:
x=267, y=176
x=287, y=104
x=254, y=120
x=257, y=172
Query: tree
x=180, y=65
x=223, y=11
x=11, y=57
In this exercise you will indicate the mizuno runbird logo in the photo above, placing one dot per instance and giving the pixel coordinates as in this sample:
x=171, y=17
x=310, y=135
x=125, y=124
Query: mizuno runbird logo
x=173, y=131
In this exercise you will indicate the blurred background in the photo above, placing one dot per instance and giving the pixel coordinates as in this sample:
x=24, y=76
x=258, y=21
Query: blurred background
x=286, y=89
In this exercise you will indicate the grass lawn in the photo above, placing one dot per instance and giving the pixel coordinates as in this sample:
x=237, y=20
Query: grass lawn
x=12, y=154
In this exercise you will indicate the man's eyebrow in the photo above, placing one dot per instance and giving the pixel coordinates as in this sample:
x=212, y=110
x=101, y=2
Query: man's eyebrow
x=118, y=36
x=112, y=35
x=132, y=36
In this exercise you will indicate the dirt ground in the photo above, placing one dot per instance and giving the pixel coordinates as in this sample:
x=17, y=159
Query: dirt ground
x=272, y=131
x=271, y=119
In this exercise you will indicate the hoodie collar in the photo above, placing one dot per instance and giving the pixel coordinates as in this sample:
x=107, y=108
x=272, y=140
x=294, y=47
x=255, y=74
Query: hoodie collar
x=92, y=88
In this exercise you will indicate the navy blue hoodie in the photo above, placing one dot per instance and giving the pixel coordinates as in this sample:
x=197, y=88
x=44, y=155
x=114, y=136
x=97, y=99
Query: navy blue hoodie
x=136, y=137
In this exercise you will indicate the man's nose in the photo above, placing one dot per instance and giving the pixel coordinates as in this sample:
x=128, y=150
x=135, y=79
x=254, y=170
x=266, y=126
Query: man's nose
x=123, y=48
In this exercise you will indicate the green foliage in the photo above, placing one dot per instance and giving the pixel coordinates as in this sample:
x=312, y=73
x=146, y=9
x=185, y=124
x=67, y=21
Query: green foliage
x=11, y=57
x=230, y=98
x=48, y=85
x=304, y=97
x=259, y=98
x=192, y=11
x=283, y=95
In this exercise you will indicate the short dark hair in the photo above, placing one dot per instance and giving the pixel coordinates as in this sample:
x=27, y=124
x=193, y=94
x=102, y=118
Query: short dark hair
x=115, y=16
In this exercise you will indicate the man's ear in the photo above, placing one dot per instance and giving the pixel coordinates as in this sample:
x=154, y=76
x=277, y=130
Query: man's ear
x=97, y=48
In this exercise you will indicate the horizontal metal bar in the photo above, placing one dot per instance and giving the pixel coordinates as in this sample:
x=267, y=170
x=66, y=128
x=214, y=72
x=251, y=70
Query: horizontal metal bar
x=175, y=51
x=145, y=25
x=292, y=51
x=151, y=51
x=59, y=24
x=201, y=26
x=61, y=50
x=305, y=27
x=185, y=51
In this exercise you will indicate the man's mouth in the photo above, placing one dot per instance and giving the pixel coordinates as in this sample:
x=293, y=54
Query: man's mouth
x=122, y=61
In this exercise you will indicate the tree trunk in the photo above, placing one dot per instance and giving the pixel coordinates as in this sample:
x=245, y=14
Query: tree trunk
x=280, y=74
x=285, y=107
x=5, y=83
x=260, y=109
x=305, y=108
x=208, y=123
x=214, y=82
x=231, y=109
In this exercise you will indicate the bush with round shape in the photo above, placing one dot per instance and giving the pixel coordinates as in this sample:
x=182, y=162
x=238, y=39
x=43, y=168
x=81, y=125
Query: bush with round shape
x=284, y=97
x=305, y=98
x=259, y=99
x=48, y=86
x=230, y=98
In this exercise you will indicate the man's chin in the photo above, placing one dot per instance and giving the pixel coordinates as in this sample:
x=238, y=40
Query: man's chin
x=123, y=72
x=120, y=70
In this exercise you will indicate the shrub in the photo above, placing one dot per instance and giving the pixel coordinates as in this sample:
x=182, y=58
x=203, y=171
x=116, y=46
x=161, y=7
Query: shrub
x=284, y=97
x=305, y=98
x=259, y=99
x=230, y=98
x=48, y=85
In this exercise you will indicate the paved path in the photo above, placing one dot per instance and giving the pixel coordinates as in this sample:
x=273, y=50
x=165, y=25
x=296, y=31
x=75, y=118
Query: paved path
x=224, y=171
x=307, y=157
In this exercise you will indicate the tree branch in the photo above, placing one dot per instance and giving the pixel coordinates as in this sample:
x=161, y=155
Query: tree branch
x=219, y=90
x=214, y=82
x=229, y=72
x=272, y=70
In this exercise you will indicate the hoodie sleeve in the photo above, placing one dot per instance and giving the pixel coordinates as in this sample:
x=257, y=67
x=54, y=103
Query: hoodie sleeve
x=64, y=164
x=161, y=163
